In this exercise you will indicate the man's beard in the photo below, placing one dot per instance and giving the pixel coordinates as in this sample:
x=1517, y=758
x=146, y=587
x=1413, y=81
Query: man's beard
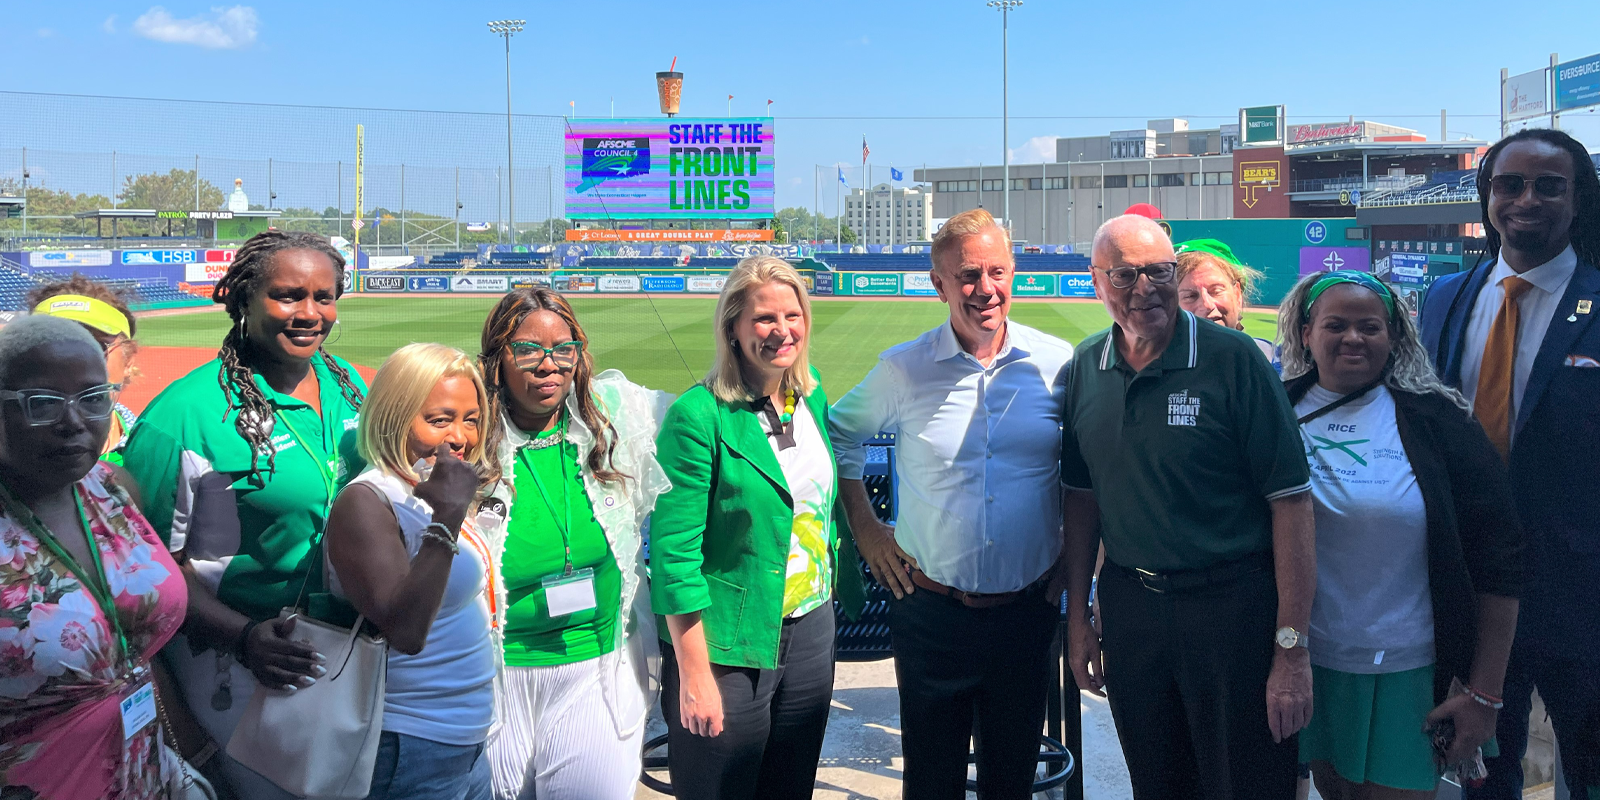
x=1528, y=240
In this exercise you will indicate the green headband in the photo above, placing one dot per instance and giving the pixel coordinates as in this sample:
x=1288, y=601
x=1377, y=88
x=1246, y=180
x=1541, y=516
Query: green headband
x=1214, y=247
x=1333, y=279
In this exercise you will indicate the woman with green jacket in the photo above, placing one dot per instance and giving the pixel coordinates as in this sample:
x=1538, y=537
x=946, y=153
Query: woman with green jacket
x=746, y=552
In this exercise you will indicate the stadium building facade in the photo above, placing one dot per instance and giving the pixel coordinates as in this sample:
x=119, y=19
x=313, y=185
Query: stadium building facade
x=1318, y=170
x=890, y=214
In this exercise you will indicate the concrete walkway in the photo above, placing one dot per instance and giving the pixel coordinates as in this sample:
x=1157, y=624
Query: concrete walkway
x=861, y=756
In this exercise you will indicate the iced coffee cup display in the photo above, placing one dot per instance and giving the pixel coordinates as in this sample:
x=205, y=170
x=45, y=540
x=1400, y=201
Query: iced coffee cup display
x=669, y=87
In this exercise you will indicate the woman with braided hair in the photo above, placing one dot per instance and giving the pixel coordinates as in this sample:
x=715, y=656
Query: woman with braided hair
x=240, y=461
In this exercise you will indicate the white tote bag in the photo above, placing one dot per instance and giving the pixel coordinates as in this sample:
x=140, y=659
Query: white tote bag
x=320, y=741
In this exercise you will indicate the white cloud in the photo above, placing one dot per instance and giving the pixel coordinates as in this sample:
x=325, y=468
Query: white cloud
x=110, y=25
x=45, y=33
x=221, y=29
x=1039, y=148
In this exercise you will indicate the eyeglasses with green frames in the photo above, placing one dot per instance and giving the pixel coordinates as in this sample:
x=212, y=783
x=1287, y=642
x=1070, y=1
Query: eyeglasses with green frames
x=528, y=355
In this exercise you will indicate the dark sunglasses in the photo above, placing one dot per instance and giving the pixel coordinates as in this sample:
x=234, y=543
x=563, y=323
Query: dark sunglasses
x=1546, y=186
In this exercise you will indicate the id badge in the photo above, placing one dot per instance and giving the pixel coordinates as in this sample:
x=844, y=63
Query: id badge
x=569, y=594
x=138, y=708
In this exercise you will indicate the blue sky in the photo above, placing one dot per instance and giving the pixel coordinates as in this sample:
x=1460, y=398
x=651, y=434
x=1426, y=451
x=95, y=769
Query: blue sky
x=835, y=70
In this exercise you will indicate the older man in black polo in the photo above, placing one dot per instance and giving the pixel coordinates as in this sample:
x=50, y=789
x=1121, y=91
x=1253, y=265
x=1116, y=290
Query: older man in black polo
x=1185, y=461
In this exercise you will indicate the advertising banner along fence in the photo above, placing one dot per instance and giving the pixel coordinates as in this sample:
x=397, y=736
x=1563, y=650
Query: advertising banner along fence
x=662, y=283
x=674, y=168
x=918, y=284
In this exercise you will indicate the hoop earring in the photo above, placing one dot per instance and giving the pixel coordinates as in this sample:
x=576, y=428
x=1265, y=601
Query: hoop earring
x=339, y=329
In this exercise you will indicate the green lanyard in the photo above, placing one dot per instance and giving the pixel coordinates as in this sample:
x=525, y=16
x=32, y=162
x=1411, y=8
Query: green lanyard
x=566, y=500
x=323, y=460
x=96, y=586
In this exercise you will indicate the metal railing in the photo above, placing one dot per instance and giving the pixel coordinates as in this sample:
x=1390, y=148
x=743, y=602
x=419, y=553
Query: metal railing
x=1371, y=184
x=1464, y=190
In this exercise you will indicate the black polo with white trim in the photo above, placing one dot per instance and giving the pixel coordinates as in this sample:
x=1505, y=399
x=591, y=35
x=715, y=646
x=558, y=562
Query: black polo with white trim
x=1185, y=455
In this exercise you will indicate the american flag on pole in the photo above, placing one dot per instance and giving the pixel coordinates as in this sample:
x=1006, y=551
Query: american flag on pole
x=865, y=151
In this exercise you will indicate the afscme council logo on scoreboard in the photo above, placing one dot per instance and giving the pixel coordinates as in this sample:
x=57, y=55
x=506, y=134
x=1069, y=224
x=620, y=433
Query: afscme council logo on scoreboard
x=674, y=168
x=607, y=158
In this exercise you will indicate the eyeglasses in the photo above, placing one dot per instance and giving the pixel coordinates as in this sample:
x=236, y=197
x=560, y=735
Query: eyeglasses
x=528, y=355
x=1546, y=186
x=41, y=407
x=1159, y=273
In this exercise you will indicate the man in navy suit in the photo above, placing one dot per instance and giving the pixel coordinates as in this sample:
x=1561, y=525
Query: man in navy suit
x=1518, y=336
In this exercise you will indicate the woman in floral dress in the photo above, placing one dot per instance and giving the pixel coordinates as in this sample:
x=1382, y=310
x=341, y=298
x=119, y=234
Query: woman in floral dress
x=72, y=545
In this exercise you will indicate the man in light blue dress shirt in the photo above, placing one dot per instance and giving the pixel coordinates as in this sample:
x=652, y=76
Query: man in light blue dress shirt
x=975, y=405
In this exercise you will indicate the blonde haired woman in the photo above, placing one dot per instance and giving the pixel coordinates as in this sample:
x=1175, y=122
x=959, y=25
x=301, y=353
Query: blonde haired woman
x=401, y=550
x=571, y=604
x=745, y=552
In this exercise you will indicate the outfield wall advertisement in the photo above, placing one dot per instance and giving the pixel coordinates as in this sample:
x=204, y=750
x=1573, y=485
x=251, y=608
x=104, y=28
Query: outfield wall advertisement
x=917, y=284
x=673, y=168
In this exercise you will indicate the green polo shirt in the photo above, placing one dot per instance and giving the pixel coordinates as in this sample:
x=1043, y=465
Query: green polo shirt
x=252, y=543
x=1184, y=455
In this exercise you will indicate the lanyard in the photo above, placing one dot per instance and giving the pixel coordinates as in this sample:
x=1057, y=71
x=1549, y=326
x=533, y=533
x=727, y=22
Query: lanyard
x=320, y=458
x=1355, y=395
x=95, y=586
x=566, y=500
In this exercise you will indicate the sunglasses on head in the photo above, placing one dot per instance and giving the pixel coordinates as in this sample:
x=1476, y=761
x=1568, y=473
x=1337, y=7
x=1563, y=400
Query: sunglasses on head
x=1511, y=185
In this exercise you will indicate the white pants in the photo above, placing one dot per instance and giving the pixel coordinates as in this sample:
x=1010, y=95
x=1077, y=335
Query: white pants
x=558, y=736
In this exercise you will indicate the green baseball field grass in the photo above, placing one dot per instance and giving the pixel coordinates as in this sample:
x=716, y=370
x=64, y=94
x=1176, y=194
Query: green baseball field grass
x=663, y=343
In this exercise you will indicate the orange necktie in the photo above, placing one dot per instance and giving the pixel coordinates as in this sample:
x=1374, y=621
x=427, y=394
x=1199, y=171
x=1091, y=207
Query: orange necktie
x=1497, y=376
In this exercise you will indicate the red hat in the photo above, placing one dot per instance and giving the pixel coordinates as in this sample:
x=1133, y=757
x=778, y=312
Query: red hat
x=1144, y=210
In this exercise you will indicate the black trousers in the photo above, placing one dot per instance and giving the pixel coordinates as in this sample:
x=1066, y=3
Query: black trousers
x=1186, y=677
x=772, y=721
x=966, y=675
x=1571, y=694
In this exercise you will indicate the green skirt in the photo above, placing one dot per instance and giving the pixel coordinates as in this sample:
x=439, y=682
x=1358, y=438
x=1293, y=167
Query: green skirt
x=1369, y=727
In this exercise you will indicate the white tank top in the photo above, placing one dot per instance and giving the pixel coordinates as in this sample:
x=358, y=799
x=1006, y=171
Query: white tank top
x=446, y=692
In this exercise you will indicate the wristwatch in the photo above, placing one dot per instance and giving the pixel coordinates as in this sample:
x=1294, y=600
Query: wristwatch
x=1288, y=638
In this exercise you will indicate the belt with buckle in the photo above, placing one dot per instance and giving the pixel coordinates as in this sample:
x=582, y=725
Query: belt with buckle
x=971, y=599
x=1190, y=580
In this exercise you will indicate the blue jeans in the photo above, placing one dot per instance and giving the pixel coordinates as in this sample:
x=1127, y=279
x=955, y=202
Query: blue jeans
x=412, y=768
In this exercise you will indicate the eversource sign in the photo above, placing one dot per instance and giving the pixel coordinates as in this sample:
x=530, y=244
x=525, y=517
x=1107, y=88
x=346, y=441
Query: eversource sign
x=1578, y=83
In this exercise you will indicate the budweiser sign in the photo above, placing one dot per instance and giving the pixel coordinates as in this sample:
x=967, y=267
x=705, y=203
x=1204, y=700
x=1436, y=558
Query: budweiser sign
x=1300, y=134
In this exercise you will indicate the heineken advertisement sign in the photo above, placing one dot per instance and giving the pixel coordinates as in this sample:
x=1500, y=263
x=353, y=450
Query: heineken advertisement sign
x=885, y=283
x=1262, y=124
x=1033, y=285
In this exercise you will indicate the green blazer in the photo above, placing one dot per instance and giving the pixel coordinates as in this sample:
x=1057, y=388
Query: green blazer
x=719, y=541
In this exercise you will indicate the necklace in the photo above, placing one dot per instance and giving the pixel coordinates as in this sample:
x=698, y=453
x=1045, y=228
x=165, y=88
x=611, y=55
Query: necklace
x=788, y=407
x=546, y=442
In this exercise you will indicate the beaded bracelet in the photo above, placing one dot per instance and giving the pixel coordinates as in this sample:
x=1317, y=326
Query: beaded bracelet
x=433, y=531
x=1485, y=699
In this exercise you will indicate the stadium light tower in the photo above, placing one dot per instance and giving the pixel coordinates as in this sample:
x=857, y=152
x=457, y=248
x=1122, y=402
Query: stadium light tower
x=505, y=28
x=1005, y=7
